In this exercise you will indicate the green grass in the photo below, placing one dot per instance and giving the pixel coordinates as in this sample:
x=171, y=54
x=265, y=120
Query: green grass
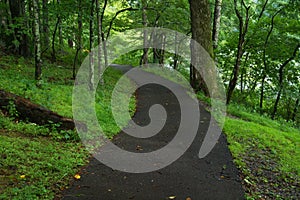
x=267, y=153
x=33, y=165
x=36, y=162
x=16, y=76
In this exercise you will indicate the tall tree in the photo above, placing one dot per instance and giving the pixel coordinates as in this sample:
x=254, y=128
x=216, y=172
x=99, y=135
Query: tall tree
x=91, y=55
x=58, y=22
x=243, y=28
x=45, y=28
x=265, y=70
x=99, y=39
x=144, y=59
x=201, y=32
x=20, y=26
x=216, y=23
x=281, y=79
x=37, y=42
x=78, y=41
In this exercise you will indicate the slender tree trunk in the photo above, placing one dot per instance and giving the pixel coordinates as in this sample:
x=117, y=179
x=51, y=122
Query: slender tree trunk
x=281, y=77
x=216, y=23
x=24, y=46
x=78, y=37
x=15, y=11
x=61, y=42
x=162, y=50
x=103, y=36
x=99, y=40
x=45, y=28
x=57, y=25
x=243, y=74
x=37, y=42
x=53, y=53
x=175, y=57
x=266, y=69
x=145, y=41
x=243, y=28
x=296, y=109
x=91, y=56
x=262, y=92
x=201, y=33
x=155, y=40
x=288, y=110
x=21, y=43
x=60, y=37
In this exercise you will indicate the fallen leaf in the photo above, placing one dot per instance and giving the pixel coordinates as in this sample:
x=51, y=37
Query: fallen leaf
x=22, y=176
x=77, y=176
x=139, y=148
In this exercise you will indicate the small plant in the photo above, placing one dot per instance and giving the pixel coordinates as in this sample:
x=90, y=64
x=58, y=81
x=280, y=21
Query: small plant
x=12, y=110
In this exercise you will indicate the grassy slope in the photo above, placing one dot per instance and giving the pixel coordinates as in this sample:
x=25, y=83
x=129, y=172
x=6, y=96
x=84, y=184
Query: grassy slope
x=36, y=167
x=266, y=151
x=36, y=162
x=267, y=154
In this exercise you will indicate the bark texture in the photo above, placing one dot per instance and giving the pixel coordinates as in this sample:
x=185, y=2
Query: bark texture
x=34, y=113
x=201, y=33
x=216, y=23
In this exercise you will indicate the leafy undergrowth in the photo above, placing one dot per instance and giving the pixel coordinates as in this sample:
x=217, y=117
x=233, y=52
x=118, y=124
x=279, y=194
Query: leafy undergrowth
x=35, y=166
x=267, y=153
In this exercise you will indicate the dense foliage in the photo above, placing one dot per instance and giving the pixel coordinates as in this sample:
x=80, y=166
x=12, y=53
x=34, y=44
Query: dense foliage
x=267, y=71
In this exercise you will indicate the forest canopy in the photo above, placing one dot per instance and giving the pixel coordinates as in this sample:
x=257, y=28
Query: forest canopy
x=255, y=43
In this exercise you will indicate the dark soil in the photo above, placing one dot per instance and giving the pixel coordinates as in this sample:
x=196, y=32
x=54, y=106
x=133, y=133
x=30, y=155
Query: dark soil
x=213, y=177
x=263, y=180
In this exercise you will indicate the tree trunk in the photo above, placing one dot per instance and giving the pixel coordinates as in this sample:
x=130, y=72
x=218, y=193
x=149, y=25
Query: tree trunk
x=266, y=69
x=99, y=39
x=201, y=32
x=281, y=77
x=34, y=113
x=103, y=36
x=295, y=109
x=262, y=93
x=175, y=57
x=17, y=11
x=78, y=37
x=45, y=28
x=145, y=41
x=243, y=28
x=216, y=23
x=60, y=29
x=91, y=56
x=37, y=42
x=53, y=54
x=162, y=50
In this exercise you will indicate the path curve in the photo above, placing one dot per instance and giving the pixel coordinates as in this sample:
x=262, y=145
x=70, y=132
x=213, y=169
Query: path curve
x=212, y=177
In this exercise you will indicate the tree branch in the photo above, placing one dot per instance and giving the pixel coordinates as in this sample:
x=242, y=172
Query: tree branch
x=262, y=10
x=115, y=16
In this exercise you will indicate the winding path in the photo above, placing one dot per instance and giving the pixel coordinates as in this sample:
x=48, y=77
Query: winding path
x=212, y=177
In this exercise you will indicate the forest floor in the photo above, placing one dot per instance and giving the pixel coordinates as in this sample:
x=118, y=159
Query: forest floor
x=213, y=177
